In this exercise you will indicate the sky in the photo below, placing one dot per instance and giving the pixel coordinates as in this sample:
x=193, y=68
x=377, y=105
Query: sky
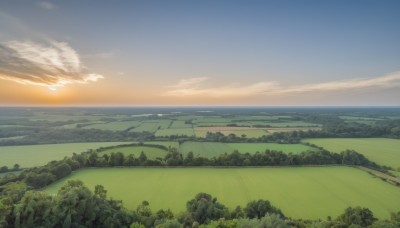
x=199, y=52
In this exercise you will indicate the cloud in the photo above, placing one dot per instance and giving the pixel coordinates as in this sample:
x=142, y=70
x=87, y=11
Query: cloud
x=46, y=5
x=53, y=65
x=190, y=83
x=102, y=55
x=194, y=87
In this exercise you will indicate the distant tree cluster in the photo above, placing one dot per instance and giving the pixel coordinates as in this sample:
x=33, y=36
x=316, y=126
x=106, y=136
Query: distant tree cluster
x=5, y=169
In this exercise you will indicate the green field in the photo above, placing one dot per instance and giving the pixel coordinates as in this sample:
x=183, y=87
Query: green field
x=180, y=124
x=212, y=149
x=151, y=152
x=114, y=126
x=175, y=131
x=306, y=192
x=152, y=126
x=238, y=131
x=380, y=150
x=35, y=155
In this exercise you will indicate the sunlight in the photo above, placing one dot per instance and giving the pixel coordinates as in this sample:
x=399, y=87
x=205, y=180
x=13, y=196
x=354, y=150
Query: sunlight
x=53, y=89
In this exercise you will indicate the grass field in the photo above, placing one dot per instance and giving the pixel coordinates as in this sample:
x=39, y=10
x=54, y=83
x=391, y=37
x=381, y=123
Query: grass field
x=175, y=131
x=306, y=192
x=289, y=129
x=146, y=126
x=180, y=124
x=151, y=152
x=238, y=131
x=35, y=155
x=164, y=143
x=212, y=149
x=152, y=126
x=380, y=150
x=114, y=126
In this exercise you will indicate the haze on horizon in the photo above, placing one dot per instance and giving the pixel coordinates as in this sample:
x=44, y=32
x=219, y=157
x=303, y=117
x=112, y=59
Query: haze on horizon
x=302, y=53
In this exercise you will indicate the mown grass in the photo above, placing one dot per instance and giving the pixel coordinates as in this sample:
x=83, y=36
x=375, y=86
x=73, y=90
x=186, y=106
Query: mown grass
x=306, y=192
x=212, y=149
x=35, y=155
x=380, y=150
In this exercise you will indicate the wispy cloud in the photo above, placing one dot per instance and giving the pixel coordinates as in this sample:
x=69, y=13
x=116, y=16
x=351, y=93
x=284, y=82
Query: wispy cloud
x=46, y=5
x=190, y=83
x=101, y=55
x=52, y=65
x=195, y=87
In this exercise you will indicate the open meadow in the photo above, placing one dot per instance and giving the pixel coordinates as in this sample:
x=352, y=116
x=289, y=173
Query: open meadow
x=36, y=155
x=305, y=192
x=380, y=150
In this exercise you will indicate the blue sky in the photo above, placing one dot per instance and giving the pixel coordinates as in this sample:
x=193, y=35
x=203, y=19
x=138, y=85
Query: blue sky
x=180, y=52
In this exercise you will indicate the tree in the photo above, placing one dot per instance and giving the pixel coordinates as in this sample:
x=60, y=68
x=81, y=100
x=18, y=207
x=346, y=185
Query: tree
x=16, y=167
x=3, y=169
x=204, y=208
x=189, y=158
x=259, y=208
x=358, y=216
x=61, y=170
x=76, y=206
x=145, y=214
x=6, y=209
x=100, y=191
x=142, y=158
x=267, y=221
x=39, y=180
x=34, y=210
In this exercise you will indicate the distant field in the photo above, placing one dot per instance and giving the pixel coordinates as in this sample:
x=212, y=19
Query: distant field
x=288, y=129
x=165, y=143
x=114, y=126
x=238, y=131
x=12, y=138
x=35, y=155
x=212, y=149
x=306, y=192
x=362, y=120
x=151, y=152
x=146, y=126
x=152, y=126
x=380, y=150
x=180, y=124
x=175, y=131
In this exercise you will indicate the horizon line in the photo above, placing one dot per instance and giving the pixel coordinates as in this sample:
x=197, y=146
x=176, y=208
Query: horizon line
x=199, y=106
